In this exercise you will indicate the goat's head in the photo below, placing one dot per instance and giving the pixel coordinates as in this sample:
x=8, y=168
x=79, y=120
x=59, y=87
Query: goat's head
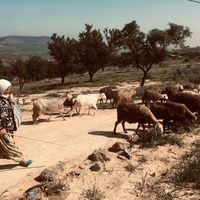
x=68, y=95
x=102, y=96
x=159, y=128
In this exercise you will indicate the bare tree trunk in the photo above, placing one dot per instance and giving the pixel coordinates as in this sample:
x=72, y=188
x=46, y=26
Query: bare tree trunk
x=91, y=76
x=62, y=80
x=143, y=78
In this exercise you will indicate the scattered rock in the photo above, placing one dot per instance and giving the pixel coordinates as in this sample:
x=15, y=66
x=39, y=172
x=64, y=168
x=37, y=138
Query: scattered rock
x=118, y=146
x=99, y=155
x=50, y=174
x=153, y=175
x=122, y=150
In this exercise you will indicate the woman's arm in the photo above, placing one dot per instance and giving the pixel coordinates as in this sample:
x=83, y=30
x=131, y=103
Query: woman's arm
x=3, y=131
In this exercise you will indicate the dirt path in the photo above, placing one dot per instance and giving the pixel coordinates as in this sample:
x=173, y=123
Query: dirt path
x=54, y=141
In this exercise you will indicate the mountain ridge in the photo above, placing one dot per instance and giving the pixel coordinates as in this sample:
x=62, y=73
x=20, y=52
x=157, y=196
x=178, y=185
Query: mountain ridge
x=14, y=47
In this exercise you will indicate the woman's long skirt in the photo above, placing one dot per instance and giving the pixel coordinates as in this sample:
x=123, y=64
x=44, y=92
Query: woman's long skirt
x=8, y=149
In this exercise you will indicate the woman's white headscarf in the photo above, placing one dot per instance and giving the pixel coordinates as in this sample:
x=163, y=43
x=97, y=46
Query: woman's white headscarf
x=4, y=84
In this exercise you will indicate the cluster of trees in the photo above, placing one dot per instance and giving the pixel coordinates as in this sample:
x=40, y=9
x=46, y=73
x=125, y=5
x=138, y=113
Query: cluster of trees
x=32, y=69
x=94, y=51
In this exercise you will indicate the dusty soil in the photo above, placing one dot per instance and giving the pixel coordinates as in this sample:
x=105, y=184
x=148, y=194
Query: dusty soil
x=68, y=143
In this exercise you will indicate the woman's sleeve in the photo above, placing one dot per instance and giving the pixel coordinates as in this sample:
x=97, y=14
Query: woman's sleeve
x=1, y=115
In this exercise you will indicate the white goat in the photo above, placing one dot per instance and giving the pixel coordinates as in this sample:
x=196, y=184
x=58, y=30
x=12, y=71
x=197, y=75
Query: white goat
x=89, y=100
x=48, y=106
x=20, y=100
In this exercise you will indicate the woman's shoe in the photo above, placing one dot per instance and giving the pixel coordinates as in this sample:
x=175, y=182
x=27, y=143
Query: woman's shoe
x=25, y=164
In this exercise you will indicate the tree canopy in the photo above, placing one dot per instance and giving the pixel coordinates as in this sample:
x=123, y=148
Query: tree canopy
x=18, y=70
x=65, y=53
x=93, y=50
x=143, y=50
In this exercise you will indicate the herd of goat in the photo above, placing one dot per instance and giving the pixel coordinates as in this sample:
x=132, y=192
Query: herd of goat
x=175, y=103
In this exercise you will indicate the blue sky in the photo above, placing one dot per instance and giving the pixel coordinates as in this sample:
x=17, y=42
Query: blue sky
x=68, y=17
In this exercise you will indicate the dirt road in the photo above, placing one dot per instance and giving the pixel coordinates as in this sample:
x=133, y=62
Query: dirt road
x=71, y=141
x=54, y=141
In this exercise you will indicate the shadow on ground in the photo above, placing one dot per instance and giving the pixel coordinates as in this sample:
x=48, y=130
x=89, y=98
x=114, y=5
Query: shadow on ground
x=109, y=134
x=8, y=166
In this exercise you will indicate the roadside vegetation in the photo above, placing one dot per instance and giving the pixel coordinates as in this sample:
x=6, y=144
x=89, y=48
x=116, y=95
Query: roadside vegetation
x=171, y=72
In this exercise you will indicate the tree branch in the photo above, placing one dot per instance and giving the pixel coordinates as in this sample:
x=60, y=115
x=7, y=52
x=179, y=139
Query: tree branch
x=194, y=1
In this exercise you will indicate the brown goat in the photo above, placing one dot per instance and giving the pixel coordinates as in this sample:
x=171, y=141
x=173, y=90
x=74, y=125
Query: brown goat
x=121, y=96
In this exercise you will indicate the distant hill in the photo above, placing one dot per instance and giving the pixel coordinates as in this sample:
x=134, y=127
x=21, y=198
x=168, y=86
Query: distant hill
x=14, y=47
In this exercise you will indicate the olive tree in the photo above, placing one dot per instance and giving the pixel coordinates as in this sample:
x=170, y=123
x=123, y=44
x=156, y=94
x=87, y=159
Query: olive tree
x=93, y=50
x=145, y=50
x=34, y=68
x=18, y=70
x=64, y=51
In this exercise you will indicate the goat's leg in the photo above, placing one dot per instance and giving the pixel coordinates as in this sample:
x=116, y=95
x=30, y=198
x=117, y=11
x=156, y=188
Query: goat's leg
x=70, y=112
x=89, y=110
x=35, y=120
x=35, y=117
x=123, y=126
x=78, y=110
x=49, y=117
x=165, y=123
x=114, y=102
x=73, y=108
x=116, y=124
x=137, y=128
x=95, y=107
x=62, y=114
x=143, y=126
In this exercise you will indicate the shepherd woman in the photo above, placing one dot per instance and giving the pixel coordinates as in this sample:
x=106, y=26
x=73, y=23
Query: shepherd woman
x=8, y=149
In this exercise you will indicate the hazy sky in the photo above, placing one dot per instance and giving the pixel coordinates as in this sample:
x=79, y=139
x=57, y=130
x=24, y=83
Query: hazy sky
x=68, y=17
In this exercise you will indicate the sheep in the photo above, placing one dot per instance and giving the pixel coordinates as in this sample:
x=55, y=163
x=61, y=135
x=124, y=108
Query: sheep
x=182, y=109
x=108, y=92
x=133, y=113
x=77, y=105
x=48, y=106
x=171, y=90
x=154, y=96
x=191, y=92
x=89, y=100
x=101, y=101
x=121, y=96
x=167, y=114
x=69, y=101
x=20, y=100
x=191, y=101
x=191, y=87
